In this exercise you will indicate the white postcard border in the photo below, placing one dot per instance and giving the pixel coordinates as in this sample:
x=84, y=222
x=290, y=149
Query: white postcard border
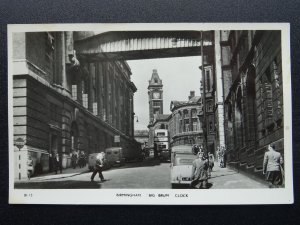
x=142, y=196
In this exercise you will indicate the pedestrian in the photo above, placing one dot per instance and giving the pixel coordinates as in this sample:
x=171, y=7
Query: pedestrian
x=211, y=163
x=74, y=160
x=272, y=165
x=222, y=157
x=199, y=172
x=195, y=149
x=81, y=160
x=98, y=166
x=29, y=166
x=57, y=163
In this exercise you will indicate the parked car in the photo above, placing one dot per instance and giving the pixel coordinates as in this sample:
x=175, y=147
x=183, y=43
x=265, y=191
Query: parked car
x=92, y=162
x=181, y=168
x=115, y=156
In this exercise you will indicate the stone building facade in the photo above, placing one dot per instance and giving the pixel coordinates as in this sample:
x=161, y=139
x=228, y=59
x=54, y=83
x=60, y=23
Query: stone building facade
x=184, y=124
x=252, y=72
x=63, y=103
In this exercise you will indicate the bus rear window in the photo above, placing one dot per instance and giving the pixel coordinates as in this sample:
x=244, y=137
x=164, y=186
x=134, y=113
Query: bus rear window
x=160, y=134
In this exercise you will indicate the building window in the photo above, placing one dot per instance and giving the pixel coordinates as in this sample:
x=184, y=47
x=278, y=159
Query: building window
x=277, y=94
x=195, y=125
x=186, y=114
x=156, y=103
x=186, y=126
x=85, y=101
x=95, y=108
x=194, y=113
x=267, y=104
x=104, y=114
x=74, y=92
x=271, y=97
x=50, y=55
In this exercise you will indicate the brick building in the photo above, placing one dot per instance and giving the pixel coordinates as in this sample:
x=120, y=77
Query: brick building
x=64, y=103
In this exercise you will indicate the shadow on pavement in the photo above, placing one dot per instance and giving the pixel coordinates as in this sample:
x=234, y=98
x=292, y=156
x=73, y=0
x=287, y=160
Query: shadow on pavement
x=69, y=184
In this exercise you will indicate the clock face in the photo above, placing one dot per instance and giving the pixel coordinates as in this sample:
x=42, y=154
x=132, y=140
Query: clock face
x=156, y=95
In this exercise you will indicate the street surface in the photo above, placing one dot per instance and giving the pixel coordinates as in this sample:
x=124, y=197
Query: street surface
x=149, y=174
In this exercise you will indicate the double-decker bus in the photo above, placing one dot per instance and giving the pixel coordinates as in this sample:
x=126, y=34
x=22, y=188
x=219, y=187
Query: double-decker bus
x=161, y=144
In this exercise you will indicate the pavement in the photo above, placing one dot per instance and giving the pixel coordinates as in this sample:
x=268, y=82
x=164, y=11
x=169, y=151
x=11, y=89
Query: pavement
x=149, y=174
x=68, y=172
x=225, y=178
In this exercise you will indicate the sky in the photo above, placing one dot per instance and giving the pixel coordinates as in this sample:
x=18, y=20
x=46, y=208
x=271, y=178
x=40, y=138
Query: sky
x=179, y=76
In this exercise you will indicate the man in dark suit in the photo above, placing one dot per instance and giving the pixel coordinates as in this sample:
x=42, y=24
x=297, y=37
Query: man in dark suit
x=272, y=166
x=57, y=164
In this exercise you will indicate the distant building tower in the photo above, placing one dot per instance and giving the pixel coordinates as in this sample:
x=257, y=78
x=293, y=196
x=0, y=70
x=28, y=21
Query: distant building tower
x=155, y=94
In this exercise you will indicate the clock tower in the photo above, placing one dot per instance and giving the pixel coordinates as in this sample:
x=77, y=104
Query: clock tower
x=155, y=95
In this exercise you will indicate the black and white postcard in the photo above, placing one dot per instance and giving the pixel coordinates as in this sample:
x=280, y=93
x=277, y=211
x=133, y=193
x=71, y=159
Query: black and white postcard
x=168, y=114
